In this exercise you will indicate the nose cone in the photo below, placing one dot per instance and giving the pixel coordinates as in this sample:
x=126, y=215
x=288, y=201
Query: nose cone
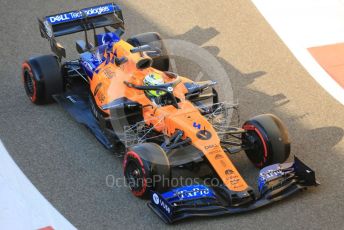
x=194, y=126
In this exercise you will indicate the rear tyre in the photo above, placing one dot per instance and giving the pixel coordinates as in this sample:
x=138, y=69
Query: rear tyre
x=154, y=40
x=146, y=168
x=267, y=140
x=42, y=78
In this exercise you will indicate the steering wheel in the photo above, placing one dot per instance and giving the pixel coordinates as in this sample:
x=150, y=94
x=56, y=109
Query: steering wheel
x=166, y=87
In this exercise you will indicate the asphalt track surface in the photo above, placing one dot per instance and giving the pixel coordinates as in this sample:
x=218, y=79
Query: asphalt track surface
x=69, y=167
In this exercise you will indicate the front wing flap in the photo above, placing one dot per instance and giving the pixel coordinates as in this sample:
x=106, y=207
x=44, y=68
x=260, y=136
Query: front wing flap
x=275, y=182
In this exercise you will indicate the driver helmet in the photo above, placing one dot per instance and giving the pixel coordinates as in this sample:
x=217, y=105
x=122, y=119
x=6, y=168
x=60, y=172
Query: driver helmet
x=153, y=79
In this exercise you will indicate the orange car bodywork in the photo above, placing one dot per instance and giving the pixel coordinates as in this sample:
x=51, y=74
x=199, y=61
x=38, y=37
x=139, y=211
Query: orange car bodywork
x=107, y=85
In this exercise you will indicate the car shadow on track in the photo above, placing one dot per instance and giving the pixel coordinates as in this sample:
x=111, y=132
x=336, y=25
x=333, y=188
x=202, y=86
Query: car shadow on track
x=314, y=146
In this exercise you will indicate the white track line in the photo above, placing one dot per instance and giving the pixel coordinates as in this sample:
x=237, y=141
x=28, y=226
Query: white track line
x=302, y=24
x=21, y=204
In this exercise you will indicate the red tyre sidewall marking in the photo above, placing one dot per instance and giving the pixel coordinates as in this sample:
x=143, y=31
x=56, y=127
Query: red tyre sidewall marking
x=25, y=67
x=253, y=128
x=137, y=157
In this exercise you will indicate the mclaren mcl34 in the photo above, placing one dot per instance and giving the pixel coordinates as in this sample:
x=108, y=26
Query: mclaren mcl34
x=164, y=123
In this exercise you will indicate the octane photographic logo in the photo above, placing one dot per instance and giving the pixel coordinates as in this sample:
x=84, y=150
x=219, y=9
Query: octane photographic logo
x=113, y=181
x=183, y=54
x=209, y=68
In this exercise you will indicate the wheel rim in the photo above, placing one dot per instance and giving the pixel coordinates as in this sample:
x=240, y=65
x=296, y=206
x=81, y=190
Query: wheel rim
x=29, y=83
x=257, y=152
x=134, y=176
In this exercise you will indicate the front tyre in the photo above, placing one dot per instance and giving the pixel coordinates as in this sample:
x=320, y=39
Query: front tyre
x=42, y=78
x=266, y=140
x=146, y=168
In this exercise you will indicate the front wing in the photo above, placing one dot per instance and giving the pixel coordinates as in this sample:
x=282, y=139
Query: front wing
x=275, y=183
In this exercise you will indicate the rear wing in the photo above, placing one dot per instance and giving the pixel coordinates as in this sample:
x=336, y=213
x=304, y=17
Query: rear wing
x=62, y=24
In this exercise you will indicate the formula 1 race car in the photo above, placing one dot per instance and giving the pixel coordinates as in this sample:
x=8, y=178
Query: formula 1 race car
x=124, y=93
